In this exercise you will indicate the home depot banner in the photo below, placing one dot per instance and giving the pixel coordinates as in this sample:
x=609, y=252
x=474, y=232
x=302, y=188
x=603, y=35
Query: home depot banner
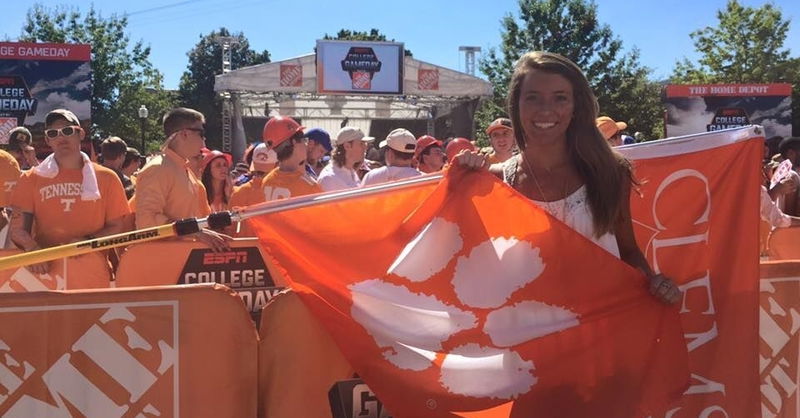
x=697, y=221
x=169, y=352
x=36, y=78
x=695, y=108
x=779, y=317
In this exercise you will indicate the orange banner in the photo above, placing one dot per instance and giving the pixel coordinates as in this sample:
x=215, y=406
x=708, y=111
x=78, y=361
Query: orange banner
x=245, y=268
x=464, y=299
x=298, y=361
x=779, y=318
x=697, y=220
x=169, y=352
x=88, y=271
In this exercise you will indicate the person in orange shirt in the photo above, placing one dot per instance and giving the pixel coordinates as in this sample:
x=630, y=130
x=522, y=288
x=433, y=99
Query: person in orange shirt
x=290, y=179
x=252, y=192
x=67, y=197
x=166, y=188
x=9, y=174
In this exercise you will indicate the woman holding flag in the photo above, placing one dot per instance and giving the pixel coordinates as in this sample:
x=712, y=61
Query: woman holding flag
x=565, y=166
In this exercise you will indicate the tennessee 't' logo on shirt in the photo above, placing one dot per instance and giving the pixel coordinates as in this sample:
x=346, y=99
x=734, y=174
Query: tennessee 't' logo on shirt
x=66, y=192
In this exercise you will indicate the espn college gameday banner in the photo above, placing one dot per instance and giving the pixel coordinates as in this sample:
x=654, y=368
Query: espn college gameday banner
x=446, y=303
x=359, y=67
x=697, y=221
x=36, y=78
x=695, y=108
x=244, y=268
x=156, y=352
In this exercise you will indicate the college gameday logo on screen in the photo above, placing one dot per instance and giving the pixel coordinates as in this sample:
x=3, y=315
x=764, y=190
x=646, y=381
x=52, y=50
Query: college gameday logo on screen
x=93, y=360
x=362, y=64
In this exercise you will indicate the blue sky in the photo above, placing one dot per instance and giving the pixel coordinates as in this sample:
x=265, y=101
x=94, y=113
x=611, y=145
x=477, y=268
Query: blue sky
x=432, y=29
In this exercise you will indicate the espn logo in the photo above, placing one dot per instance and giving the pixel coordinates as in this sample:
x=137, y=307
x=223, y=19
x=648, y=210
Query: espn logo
x=231, y=257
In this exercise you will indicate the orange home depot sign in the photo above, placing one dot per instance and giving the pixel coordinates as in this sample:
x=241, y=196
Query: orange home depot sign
x=89, y=271
x=697, y=221
x=168, y=351
x=779, y=317
x=291, y=75
x=428, y=79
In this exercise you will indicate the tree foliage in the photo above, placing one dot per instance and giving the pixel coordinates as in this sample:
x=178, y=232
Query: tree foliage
x=123, y=78
x=571, y=28
x=746, y=46
x=354, y=35
x=196, y=88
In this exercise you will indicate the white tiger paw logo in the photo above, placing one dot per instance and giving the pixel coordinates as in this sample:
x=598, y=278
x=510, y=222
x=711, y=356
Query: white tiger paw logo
x=413, y=327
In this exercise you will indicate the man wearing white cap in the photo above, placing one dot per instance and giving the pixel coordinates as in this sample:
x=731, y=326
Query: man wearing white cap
x=251, y=193
x=399, y=147
x=350, y=147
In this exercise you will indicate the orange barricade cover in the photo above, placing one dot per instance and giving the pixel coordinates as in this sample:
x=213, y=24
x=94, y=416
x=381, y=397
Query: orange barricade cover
x=697, y=221
x=779, y=344
x=784, y=244
x=88, y=271
x=245, y=269
x=169, y=352
x=298, y=361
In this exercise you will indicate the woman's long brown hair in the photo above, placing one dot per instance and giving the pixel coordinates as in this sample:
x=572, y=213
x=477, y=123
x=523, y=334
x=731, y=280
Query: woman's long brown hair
x=602, y=169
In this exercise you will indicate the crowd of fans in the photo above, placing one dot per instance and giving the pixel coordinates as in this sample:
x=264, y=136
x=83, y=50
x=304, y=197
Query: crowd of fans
x=67, y=197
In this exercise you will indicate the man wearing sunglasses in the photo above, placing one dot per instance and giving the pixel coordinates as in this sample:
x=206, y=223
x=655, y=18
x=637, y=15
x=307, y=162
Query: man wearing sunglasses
x=166, y=188
x=66, y=198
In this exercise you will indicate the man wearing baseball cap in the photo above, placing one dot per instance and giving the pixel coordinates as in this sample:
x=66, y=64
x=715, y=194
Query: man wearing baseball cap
x=429, y=154
x=611, y=130
x=252, y=192
x=319, y=144
x=350, y=147
x=399, y=148
x=66, y=198
x=290, y=179
x=501, y=136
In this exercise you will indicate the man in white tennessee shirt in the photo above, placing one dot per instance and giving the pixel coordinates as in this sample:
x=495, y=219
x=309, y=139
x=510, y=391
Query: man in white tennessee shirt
x=349, y=149
x=399, y=148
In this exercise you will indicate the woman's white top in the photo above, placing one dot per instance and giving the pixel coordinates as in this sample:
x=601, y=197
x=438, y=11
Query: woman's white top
x=573, y=210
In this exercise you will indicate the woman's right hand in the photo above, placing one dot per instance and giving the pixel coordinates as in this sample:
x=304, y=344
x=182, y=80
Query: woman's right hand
x=471, y=159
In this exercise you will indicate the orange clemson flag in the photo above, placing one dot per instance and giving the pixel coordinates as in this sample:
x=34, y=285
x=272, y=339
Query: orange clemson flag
x=463, y=297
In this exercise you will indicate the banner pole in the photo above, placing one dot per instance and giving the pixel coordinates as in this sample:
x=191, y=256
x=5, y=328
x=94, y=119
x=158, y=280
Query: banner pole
x=193, y=225
x=337, y=196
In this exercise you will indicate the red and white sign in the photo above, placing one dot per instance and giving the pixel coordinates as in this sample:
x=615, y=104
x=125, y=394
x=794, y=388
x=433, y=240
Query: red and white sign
x=734, y=90
x=361, y=80
x=428, y=79
x=291, y=75
x=45, y=52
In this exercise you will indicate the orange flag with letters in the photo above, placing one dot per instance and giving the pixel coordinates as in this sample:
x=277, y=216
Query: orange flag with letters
x=463, y=297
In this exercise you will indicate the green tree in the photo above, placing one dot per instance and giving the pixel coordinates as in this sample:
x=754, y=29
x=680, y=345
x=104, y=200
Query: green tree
x=196, y=88
x=746, y=46
x=354, y=35
x=123, y=78
x=571, y=28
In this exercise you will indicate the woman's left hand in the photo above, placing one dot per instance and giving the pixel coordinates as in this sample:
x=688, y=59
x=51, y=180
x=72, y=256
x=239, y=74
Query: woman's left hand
x=664, y=289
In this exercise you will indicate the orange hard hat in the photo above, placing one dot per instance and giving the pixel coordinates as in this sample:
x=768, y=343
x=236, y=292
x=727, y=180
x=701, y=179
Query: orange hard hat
x=456, y=145
x=279, y=129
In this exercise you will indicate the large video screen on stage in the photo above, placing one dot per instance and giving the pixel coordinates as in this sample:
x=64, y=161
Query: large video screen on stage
x=351, y=67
